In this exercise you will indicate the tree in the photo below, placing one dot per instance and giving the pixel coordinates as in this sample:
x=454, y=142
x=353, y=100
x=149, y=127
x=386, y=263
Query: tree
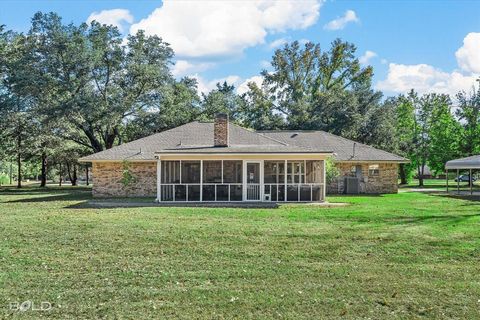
x=18, y=124
x=258, y=110
x=405, y=132
x=97, y=84
x=426, y=131
x=468, y=112
x=223, y=99
x=180, y=104
x=321, y=90
x=445, y=135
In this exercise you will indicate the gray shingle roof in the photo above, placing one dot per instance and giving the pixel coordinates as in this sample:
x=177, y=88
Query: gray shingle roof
x=342, y=148
x=197, y=137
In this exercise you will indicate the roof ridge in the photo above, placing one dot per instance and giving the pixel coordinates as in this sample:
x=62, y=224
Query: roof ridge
x=261, y=135
x=337, y=137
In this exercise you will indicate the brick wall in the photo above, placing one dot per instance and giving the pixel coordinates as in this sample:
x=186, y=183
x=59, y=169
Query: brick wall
x=107, y=178
x=385, y=182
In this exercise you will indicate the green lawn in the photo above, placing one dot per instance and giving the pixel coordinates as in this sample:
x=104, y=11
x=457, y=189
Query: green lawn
x=409, y=255
x=441, y=184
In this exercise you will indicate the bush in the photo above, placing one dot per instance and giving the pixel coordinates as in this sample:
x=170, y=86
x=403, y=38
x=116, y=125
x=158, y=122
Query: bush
x=332, y=171
x=4, y=179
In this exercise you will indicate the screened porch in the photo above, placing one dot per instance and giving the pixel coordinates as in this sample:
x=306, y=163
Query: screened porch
x=240, y=180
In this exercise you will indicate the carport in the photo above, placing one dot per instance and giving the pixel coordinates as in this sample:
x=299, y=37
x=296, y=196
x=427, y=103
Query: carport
x=469, y=163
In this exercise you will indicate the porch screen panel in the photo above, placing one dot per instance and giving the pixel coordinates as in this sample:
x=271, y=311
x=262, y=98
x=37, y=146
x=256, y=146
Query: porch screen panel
x=170, y=172
x=212, y=171
x=209, y=192
x=236, y=193
x=181, y=193
x=314, y=171
x=222, y=192
x=305, y=193
x=193, y=192
x=295, y=172
x=274, y=172
x=190, y=172
x=233, y=175
x=317, y=193
x=232, y=171
x=292, y=192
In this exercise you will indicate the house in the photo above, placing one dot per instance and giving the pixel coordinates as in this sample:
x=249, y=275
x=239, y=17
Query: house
x=221, y=161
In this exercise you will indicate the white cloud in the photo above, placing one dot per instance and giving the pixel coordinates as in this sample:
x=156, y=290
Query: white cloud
x=341, y=22
x=243, y=87
x=365, y=59
x=205, y=86
x=277, y=43
x=223, y=28
x=303, y=41
x=184, y=67
x=116, y=17
x=265, y=64
x=424, y=79
x=468, y=56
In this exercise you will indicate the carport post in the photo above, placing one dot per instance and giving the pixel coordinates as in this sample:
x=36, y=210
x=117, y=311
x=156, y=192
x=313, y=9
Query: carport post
x=446, y=177
x=471, y=182
x=458, y=181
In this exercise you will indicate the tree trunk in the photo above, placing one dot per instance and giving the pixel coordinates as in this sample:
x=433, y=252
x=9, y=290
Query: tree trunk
x=74, y=181
x=19, y=162
x=19, y=175
x=86, y=175
x=420, y=176
x=403, y=174
x=72, y=173
x=43, y=182
x=11, y=173
x=60, y=176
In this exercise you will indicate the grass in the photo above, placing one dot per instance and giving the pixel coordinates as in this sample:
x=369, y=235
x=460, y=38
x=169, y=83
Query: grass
x=407, y=255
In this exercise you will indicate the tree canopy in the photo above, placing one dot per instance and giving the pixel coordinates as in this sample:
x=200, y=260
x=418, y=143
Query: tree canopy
x=67, y=90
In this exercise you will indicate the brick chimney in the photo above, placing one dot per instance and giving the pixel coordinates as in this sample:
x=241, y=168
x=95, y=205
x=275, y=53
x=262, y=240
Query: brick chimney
x=220, y=130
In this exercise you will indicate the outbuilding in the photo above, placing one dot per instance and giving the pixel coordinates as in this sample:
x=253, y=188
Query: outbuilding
x=468, y=163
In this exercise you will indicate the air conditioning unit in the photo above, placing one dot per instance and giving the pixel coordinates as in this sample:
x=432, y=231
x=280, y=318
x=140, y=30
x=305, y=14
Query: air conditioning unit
x=352, y=185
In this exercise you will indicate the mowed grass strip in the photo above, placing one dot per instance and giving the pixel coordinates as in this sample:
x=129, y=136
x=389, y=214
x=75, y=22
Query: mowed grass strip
x=408, y=255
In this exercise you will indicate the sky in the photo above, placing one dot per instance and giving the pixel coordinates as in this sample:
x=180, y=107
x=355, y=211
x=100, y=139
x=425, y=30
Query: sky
x=432, y=46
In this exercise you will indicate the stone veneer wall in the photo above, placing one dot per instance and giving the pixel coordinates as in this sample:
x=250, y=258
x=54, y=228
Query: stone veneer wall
x=107, y=178
x=385, y=182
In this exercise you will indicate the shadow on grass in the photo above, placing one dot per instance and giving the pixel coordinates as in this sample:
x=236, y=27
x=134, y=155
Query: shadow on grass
x=410, y=220
x=12, y=191
x=48, y=196
x=468, y=197
x=132, y=204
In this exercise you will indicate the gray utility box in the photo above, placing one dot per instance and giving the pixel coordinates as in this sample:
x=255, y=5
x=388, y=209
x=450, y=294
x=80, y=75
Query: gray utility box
x=352, y=185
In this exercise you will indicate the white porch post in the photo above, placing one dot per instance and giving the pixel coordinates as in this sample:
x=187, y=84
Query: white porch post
x=201, y=180
x=244, y=180
x=159, y=181
x=262, y=186
x=285, y=173
x=324, y=181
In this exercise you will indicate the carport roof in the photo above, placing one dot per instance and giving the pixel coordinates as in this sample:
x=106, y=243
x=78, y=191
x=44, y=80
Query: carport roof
x=472, y=162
